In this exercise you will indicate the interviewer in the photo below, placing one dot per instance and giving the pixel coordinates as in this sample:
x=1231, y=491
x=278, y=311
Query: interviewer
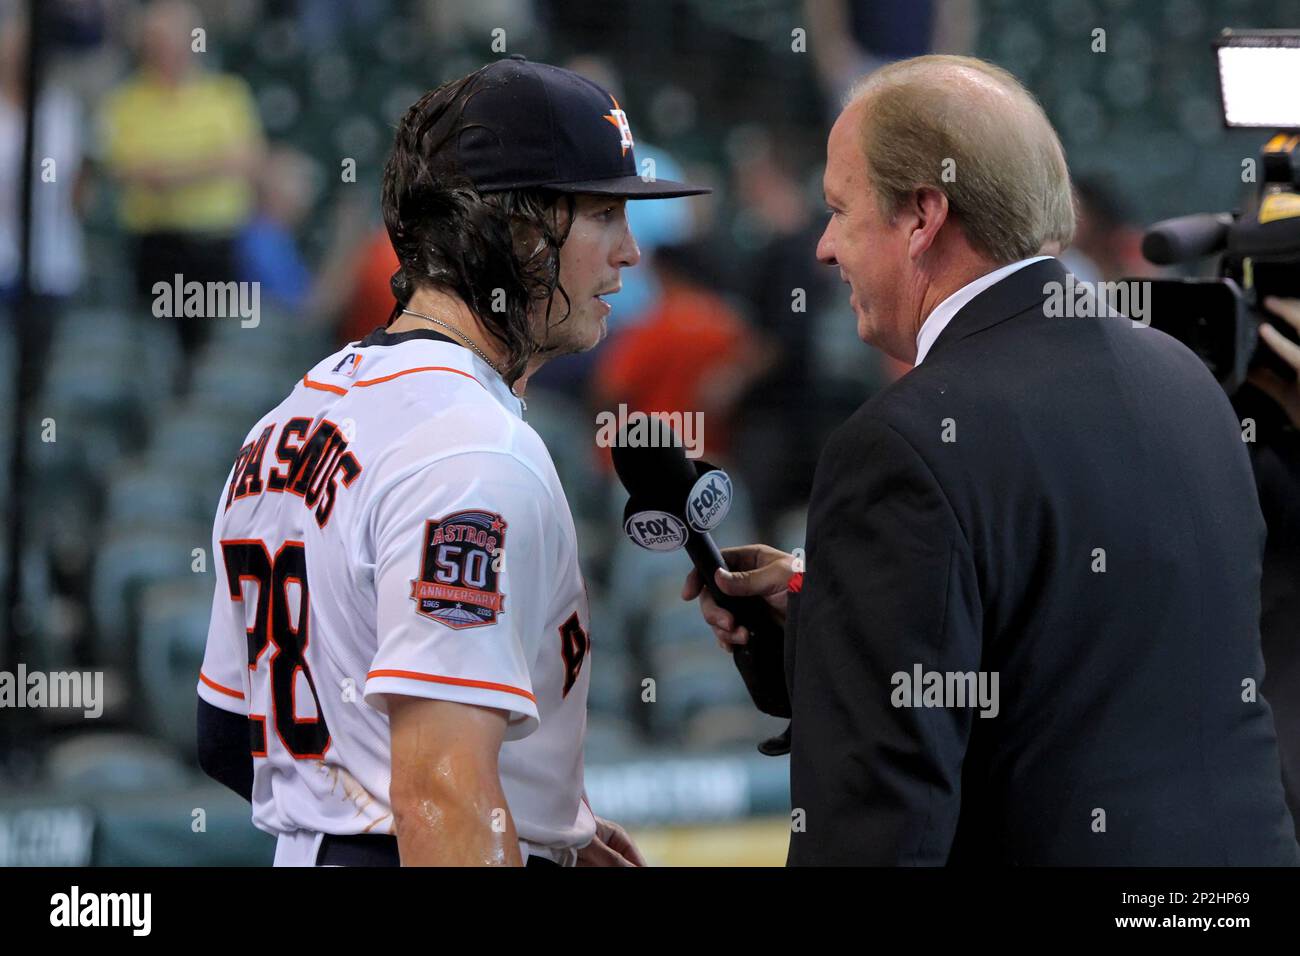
x=1064, y=504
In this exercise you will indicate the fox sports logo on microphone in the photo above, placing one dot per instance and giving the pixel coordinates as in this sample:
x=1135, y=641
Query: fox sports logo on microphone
x=709, y=501
x=656, y=530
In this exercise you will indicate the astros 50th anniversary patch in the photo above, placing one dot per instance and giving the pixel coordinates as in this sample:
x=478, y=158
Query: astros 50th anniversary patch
x=458, y=574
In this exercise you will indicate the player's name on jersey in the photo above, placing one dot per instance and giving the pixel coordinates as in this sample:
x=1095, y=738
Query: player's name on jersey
x=309, y=462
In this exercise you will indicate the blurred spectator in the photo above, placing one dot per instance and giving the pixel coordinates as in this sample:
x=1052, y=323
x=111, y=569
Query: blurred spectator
x=58, y=190
x=851, y=38
x=268, y=246
x=788, y=290
x=57, y=245
x=85, y=52
x=77, y=26
x=368, y=294
x=474, y=23
x=327, y=24
x=1107, y=242
x=691, y=353
x=269, y=250
x=183, y=142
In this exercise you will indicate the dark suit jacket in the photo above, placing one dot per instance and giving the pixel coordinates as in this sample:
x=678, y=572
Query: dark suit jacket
x=1122, y=736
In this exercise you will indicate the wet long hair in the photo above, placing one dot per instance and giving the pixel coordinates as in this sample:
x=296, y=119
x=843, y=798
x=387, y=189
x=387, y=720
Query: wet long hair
x=498, y=251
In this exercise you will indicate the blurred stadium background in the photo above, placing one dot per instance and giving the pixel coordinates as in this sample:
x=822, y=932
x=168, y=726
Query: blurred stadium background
x=303, y=95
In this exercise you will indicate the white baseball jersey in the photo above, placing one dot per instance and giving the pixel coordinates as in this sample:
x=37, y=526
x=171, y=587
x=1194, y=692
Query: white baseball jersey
x=395, y=527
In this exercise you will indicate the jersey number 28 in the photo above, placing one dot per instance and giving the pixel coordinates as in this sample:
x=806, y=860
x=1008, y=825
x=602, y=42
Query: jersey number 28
x=273, y=624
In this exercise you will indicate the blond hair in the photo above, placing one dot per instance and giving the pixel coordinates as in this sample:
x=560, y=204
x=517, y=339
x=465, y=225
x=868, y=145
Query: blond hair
x=968, y=129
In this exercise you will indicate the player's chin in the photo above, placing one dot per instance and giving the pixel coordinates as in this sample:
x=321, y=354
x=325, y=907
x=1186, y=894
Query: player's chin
x=596, y=325
x=581, y=337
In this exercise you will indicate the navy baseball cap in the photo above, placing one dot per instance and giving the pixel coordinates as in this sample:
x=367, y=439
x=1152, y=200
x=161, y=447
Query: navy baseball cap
x=530, y=124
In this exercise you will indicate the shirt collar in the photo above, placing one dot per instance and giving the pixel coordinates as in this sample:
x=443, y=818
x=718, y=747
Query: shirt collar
x=947, y=310
x=464, y=360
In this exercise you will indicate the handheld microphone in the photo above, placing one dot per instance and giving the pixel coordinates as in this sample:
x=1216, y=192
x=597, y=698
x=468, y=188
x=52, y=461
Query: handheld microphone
x=674, y=503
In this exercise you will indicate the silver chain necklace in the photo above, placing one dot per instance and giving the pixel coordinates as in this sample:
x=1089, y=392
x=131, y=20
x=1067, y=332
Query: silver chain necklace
x=460, y=335
x=469, y=342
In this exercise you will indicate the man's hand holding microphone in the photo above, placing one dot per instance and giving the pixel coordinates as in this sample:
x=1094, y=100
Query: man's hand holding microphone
x=756, y=570
x=675, y=504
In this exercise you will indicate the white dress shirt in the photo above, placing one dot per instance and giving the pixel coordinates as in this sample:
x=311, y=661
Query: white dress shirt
x=943, y=313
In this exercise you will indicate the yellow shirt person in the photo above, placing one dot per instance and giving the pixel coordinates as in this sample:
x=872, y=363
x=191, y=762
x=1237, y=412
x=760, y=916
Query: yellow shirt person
x=179, y=150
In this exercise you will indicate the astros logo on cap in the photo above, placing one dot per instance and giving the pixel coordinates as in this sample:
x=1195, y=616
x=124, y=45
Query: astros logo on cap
x=619, y=119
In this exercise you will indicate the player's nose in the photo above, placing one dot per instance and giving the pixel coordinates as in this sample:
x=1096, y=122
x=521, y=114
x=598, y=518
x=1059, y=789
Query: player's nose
x=628, y=252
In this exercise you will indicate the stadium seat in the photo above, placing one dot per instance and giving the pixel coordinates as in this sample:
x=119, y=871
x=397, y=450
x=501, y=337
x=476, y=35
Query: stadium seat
x=569, y=436
x=238, y=388
x=93, y=329
x=641, y=580
x=607, y=633
x=610, y=740
x=137, y=492
x=102, y=762
x=142, y=347
x=689, y=679
x=732, y=727
x=614, y=683
x=99, y=385
x=66, y=473
x=198, y=438
x=174, y=618
x=157, y=361
x=677, y=623
x=129, y=559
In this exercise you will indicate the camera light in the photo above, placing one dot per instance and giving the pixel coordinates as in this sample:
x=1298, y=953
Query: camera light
x=1259, y=78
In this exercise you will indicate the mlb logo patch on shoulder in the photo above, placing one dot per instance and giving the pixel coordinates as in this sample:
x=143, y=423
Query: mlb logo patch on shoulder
x=458, y=583
x=348, y=364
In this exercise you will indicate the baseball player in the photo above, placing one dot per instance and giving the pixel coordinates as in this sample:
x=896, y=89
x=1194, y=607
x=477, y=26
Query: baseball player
x=399, y=651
